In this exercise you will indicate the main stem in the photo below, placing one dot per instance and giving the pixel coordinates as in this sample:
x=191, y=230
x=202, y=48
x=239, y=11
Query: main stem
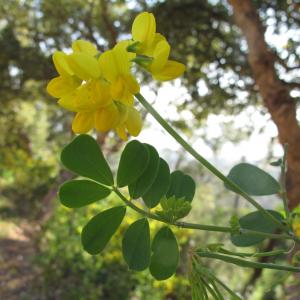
x=204, y=162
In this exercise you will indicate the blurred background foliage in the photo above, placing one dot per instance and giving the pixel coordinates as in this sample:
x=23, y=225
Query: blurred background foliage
x=34, y=129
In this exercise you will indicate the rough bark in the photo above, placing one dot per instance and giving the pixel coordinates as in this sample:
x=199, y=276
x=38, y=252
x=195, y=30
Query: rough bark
x=274, y=92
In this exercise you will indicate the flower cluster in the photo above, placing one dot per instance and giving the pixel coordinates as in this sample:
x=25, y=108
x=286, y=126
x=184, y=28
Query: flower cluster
x=100, y=88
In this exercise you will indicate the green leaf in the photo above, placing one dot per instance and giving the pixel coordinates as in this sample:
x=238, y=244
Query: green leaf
x=133, y=162
x=181, y=186
x=78, y=193
x=253, y=180
x=165, y=257
x=136, y=245
x=258, y=222
x=84, y=157
x=99, y=230
x=160, y=185
x=139, y=187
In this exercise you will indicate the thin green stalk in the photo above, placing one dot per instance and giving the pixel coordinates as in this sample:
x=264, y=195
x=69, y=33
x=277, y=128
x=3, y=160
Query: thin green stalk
x=265, y=234
x=216, y=289
x=257, y=254
x=198, y=226
x=283, y=182
x=246, y=263
x=225, y=287
x=210, y=289
x=203, y=161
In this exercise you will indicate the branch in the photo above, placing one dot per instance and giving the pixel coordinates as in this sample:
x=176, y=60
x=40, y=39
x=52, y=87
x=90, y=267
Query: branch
x=292, y=85
x=283, y=62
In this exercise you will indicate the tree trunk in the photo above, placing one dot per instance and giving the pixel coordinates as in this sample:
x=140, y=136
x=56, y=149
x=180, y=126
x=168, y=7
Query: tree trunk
x=274, y=92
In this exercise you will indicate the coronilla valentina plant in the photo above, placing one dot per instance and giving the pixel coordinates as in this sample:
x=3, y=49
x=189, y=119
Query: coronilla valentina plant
x=101, y=89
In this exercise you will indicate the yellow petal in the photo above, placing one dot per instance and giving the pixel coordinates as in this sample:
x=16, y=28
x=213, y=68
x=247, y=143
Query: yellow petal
x=123, y=114
x=60, y=86
x=160, y=56
x=60, y=60
x=100, y=93
x=68, y=102
x=117, y=88
x=171, y=70
x=83, y=122
x=116, y=62
x=157, y=38
x=121, y=131
x=84, y=66
x=123, y=57
x=106, y=118
x=87, y=99
x=108, y=65
x=124, y=88
x=84, y=46
x=83, y=100
x=143, y=29
x=120, y=89
x=127, y=98
x=134, y=122
x=131, y=84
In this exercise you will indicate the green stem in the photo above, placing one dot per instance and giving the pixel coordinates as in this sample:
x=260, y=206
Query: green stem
x=257, y=254
x=198, y=226
x=225, y=287
x=178, y=224
x=204, y=162
x=246, y=263
x=209, y=289
x=283, y=182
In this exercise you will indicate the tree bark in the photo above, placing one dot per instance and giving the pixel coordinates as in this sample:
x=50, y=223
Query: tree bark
x=274, y=92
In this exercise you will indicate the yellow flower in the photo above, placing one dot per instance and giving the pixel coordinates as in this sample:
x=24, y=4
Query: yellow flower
x=143, y=30
x=84, y=65
x=73, y=68
x=83, y=122
x=100, y=90
x=120, y=117
x=85, y=47
x=107, y=118
x=66, y=82
x=103, y=119
x=115, y=66
x=154, y=45
x=130, y=121
x=87, y=97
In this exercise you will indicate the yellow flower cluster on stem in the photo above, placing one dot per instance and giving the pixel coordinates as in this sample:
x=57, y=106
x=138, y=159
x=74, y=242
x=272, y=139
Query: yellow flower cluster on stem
x=100, y=87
